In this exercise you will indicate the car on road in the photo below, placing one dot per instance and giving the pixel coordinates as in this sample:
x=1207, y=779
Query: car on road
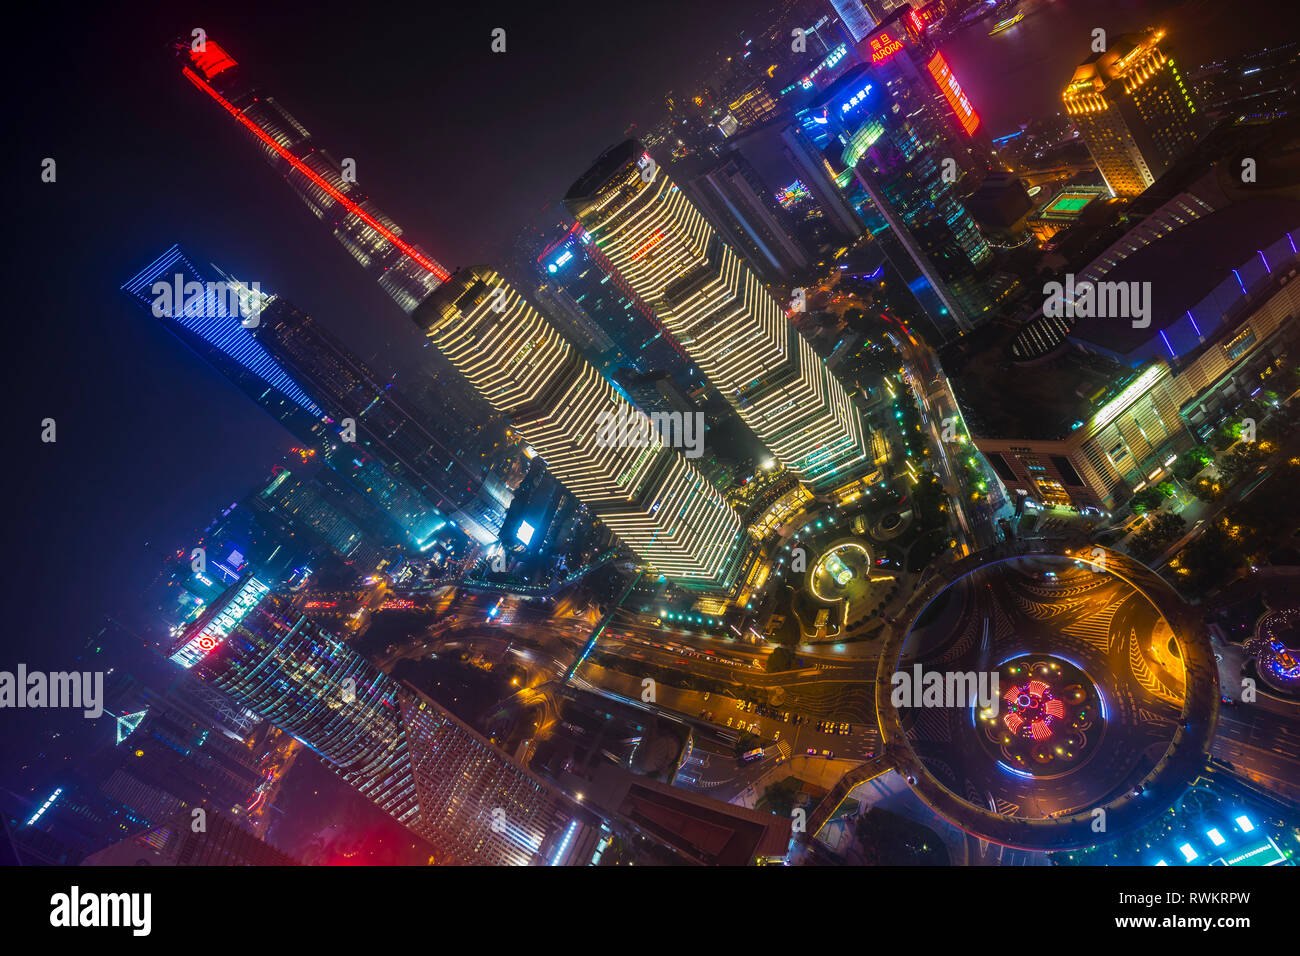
x=729, y=719
x=812, y=751
x=828, y=754
x=706, y=695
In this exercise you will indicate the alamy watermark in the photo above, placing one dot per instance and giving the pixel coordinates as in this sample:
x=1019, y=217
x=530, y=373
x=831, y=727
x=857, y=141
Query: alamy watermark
x=24, y=688
x=1098, y=300
x=945, y=689
x=632, y=429
x=224, y=299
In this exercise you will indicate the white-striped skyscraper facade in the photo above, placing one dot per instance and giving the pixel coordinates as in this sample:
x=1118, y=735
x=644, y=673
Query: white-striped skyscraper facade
x=732, y=327
x=646, y=492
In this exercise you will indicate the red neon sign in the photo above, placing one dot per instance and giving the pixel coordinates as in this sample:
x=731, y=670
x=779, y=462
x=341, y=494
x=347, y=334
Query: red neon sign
x=423, y=261
x=212, y=59
x=952, y=92
x=649, y=244
x=883, y=46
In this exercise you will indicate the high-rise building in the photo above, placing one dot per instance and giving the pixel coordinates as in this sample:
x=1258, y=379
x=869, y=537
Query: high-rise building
x=721, y=314
x=399, y=749
x=645, y=492
x=1134, y=110
x=752, y=106
x=455, y=471
x=405, y=464
x=896, y=157
x=855, y=17
x=1110, y=415
x=818, y=179
x=307, y=505
x=740, y=204
x=597, y=309
x=176, y=842
x=326, y=185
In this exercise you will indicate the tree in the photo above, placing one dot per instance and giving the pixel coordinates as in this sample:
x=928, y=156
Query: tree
x=931, y=500
x=1148, y=499
x=1168, y=526
x=889, y=839
x=1191, y=462
x=1237, y=463
x=781, y=796
x=1162, y=529
x=1206, y=489
x=781, y=659
x=1225, y=435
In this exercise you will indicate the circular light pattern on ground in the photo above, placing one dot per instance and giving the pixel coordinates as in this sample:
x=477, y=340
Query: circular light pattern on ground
x=1048, y=718
x=1277, y=650
x=834, y=573
x=1089, y=687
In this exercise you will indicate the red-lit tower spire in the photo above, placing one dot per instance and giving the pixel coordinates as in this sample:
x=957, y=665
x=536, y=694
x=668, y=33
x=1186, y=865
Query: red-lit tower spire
x=402, y=269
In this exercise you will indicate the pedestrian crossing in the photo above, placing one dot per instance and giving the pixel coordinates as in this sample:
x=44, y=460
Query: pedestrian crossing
x=1094, y=629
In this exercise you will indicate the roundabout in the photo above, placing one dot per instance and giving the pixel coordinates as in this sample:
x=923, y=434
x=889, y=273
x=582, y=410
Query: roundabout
x=1106, y=696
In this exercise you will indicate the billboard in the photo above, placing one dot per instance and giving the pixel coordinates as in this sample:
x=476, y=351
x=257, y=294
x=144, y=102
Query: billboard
x=953, y=93
x=218, y=626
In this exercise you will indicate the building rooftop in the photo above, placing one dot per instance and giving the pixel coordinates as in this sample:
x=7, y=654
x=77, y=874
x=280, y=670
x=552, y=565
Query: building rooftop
x=1120, y=55
x=1187, y=266
x=606, y=165
x=1000, y=399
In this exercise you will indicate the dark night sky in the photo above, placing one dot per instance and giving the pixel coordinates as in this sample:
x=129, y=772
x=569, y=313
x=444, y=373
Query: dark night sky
x=461, y=146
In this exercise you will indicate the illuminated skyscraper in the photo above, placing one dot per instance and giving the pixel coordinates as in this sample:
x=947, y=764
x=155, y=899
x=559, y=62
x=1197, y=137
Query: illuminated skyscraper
x=604, y=316
x=855, y=17
x=646, y=493
x=721, y=314
x=1134, y=110
x=399, y=749
x=408, y=466
x=327, y=186
x=740, y=204
x=889, y=136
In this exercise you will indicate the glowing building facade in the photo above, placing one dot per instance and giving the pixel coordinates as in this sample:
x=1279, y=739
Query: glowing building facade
x=1134, y=110
x=647, y=494
x=718, y=310
x=411, y=467
x=325, y=184
x=400, y=750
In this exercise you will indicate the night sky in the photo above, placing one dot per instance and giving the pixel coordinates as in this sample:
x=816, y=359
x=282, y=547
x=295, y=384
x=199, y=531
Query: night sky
x=461, y=146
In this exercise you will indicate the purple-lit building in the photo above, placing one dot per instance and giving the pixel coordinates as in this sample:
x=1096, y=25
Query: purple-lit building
x=1180, y=333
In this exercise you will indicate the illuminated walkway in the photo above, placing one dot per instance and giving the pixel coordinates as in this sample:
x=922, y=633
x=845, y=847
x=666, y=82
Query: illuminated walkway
x=1185, y=757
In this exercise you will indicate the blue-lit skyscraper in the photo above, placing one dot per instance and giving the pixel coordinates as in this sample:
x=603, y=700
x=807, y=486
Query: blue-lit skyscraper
x=598, y=310
x=855, y=18
x=401, y=461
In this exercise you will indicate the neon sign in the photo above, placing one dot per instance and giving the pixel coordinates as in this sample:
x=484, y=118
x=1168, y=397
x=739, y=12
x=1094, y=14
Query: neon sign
x=214, y=632
x=952, y=92
x=883, y=46
x=854, y=100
